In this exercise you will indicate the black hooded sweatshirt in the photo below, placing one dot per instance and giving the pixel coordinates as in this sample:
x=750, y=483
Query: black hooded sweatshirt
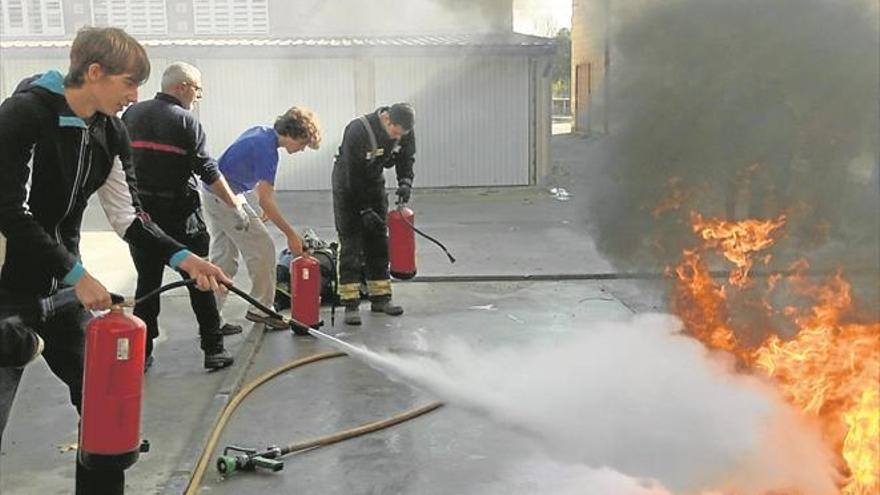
x=51, y=162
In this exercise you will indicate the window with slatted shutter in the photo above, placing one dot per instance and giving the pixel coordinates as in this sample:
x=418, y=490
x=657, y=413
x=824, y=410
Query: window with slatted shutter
x=31, y=17
x=135, y=16
x=231, y=16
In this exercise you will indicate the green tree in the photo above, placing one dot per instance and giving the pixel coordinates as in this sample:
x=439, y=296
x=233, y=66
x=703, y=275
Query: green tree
x=562, y=64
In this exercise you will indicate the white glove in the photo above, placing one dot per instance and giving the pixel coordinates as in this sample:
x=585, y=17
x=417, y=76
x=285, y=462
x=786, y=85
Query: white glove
x=242, y=219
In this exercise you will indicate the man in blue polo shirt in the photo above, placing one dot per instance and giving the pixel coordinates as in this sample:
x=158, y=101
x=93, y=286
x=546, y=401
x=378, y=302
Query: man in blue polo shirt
x=250, y=164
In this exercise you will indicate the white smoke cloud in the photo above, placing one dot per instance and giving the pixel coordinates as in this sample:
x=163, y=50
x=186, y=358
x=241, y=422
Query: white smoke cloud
x=635, y=397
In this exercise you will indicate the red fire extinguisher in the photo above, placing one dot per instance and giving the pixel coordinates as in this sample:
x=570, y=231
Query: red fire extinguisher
x=305, y=289
x=402, y=243
x=112, y=389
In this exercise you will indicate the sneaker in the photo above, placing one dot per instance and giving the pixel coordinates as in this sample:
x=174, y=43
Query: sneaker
x=352, y=316
x=230, y=329
x=269, y=321
x=218, y=358
x=387, y=307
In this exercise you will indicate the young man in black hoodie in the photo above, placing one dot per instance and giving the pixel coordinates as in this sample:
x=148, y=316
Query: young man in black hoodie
x=66, y=124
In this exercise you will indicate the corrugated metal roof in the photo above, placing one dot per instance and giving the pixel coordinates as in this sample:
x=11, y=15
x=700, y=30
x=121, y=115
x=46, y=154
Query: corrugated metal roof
x=510, y=40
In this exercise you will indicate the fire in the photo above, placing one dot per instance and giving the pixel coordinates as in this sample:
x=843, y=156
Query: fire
x=830, y=369
x=674, y=199
x=702, y=305
x=738, y=241
x=860, y=446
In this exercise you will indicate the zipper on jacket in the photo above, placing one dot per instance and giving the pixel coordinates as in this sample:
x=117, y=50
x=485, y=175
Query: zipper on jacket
x=84, y=143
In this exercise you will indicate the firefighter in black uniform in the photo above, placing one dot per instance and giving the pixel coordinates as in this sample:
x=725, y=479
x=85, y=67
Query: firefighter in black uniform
x=168, y=146
x=370, y=144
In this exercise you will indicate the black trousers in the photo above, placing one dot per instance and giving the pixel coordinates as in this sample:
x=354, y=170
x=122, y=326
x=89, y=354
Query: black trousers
x=192, y=233
x=361, y=250
x=64, y=337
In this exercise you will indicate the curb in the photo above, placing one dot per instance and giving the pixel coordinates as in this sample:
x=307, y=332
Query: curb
x=179, y=478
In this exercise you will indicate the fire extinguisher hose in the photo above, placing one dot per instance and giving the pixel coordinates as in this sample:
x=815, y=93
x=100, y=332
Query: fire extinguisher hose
x=156, y=292
x=426, y=236
x=232, y=405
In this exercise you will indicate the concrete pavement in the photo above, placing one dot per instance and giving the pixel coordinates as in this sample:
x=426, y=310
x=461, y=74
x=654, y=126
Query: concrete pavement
x=504, y=231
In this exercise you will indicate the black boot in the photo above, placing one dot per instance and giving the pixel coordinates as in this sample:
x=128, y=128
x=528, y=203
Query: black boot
x=148, y=354
x=216, y=357
x=385, y=305
x=230, y=329
x=352, y=315
x=148, y=363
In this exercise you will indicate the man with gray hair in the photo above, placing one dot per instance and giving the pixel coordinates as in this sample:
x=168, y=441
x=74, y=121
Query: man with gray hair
x=168, y=146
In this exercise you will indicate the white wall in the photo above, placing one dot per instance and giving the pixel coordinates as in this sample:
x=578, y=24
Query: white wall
x=240, y=94
x=472, y=113
x=13, y=70
x=388, y=17
x=472, y=117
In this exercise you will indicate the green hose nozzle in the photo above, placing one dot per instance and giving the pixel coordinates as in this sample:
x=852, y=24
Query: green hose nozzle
x=249, y=460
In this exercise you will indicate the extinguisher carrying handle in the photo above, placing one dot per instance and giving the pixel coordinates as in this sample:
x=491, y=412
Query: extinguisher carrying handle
x=64, y=300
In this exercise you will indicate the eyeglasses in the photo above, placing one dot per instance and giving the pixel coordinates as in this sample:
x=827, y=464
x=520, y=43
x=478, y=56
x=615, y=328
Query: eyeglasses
x=196, y=87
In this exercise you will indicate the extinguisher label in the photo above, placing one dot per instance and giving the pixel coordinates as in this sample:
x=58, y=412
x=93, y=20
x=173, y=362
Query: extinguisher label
x=305, y=274
x=122, y=349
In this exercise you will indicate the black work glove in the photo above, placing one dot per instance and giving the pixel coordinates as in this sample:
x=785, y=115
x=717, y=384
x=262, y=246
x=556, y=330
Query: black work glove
x=404, y=191
x=372, y=220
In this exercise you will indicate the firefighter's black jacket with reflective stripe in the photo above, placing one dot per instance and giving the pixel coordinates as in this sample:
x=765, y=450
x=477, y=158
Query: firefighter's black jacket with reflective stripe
x=358, y=171
x=168, y=147
x=42, y=202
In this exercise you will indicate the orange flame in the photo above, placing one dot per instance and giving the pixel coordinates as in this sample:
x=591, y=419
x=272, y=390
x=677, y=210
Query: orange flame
x=702, y=305
x=738, y=241
x=675, y=198
x=830, y=370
